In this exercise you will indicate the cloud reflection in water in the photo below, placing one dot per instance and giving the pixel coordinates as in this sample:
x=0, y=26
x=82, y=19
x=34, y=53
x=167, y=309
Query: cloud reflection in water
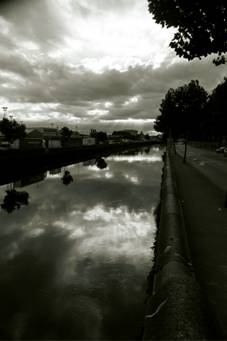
x=73, y=263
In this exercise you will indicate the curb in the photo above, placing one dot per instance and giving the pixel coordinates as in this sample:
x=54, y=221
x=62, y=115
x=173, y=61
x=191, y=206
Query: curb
x=175, y=308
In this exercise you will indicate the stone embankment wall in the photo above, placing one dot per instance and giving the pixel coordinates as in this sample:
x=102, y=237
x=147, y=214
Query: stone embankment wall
x=175, y=305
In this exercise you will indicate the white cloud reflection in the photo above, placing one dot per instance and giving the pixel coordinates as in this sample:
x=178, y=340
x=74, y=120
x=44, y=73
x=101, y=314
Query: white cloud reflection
x=133, y=179
x=136, y=158
x=80, y=254
x=111, y=233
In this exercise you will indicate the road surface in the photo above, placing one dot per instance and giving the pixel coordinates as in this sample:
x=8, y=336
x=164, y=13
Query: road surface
x=202, y=183
x=211, y=164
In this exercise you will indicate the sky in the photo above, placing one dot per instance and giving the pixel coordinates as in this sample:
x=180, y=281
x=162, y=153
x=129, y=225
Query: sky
x=88, y=64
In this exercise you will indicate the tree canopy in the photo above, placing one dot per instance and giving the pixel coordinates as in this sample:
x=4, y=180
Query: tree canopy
x=100, y=136
x=182, y=111
x=12, y=130
x=201, y=26
x=216, y=118
x=66, y=133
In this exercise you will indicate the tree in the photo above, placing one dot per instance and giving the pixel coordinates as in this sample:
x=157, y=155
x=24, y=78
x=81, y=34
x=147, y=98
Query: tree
x=166, y=123
x=66, y=133
x=216, y=114
x=182, y=112
x=12, y=130
x=201, y=26
x=101, y=136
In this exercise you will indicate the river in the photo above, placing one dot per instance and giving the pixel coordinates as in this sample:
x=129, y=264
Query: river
x=74, y=257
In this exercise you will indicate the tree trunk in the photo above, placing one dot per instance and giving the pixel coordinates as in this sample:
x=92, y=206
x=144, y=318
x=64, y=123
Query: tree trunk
x=185, y=150
x=174, y=146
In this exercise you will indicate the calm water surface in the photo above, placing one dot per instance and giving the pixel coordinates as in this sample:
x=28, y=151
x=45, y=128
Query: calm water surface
x=74, y=261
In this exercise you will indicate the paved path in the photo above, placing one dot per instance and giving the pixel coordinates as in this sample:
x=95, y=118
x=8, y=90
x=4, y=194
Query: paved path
x=200, y=184
x=211, y=164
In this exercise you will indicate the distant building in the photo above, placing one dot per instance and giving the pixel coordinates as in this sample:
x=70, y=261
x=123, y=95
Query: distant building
x=88, y=141
x=45, y=133
x=112, y=139
x=51, y=136
x=74, y=140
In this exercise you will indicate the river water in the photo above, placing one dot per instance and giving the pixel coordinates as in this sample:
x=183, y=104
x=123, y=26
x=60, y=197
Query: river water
x=74, y=258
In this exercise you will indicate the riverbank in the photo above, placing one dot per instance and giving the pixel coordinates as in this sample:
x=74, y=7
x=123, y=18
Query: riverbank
x=176, y=307
x=201, y=184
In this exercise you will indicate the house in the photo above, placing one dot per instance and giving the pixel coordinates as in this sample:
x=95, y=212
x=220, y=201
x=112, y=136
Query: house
x=45, y=133
x=52, y=136
x=73, y=141
x=88, y=141
x=112, y=139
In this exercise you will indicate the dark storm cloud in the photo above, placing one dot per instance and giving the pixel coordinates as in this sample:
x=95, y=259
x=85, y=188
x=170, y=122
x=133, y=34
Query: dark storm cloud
x=16, y=64
x=31, y=20
x=32, y=35
x=68, y=85
x=77, y=90
x=33, y=296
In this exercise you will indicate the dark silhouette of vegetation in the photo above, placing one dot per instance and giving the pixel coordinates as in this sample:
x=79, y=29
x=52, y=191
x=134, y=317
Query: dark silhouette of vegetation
x=14, y=199
x=182, y=112
x=124, y=134
x=215, y=122
x=67, y=178
x=66, y=133
x=100, y=136
x=12, y=130
x=201, y=26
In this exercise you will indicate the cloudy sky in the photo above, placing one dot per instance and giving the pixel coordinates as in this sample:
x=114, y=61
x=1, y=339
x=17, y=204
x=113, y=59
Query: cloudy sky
x=90, y=64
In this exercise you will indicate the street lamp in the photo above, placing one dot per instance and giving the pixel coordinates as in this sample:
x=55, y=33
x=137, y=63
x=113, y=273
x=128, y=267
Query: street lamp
x=4, y=111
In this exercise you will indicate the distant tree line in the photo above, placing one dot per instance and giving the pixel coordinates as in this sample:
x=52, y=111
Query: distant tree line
x=191, y=113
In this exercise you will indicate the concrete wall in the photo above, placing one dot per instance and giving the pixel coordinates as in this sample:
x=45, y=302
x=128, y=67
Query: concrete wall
x=175, y=305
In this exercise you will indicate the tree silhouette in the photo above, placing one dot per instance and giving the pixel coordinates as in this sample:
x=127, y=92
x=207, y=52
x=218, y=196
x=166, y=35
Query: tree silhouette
x=216, y=120
x=182, y=112
x=100, y=136
x=66, y=133
x=12, y=130
x=201, y=26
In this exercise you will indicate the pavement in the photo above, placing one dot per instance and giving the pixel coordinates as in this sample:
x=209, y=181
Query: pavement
x=202, y=185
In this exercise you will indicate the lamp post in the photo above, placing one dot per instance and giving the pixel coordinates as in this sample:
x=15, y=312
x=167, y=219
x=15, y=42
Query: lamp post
x=4, y=111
